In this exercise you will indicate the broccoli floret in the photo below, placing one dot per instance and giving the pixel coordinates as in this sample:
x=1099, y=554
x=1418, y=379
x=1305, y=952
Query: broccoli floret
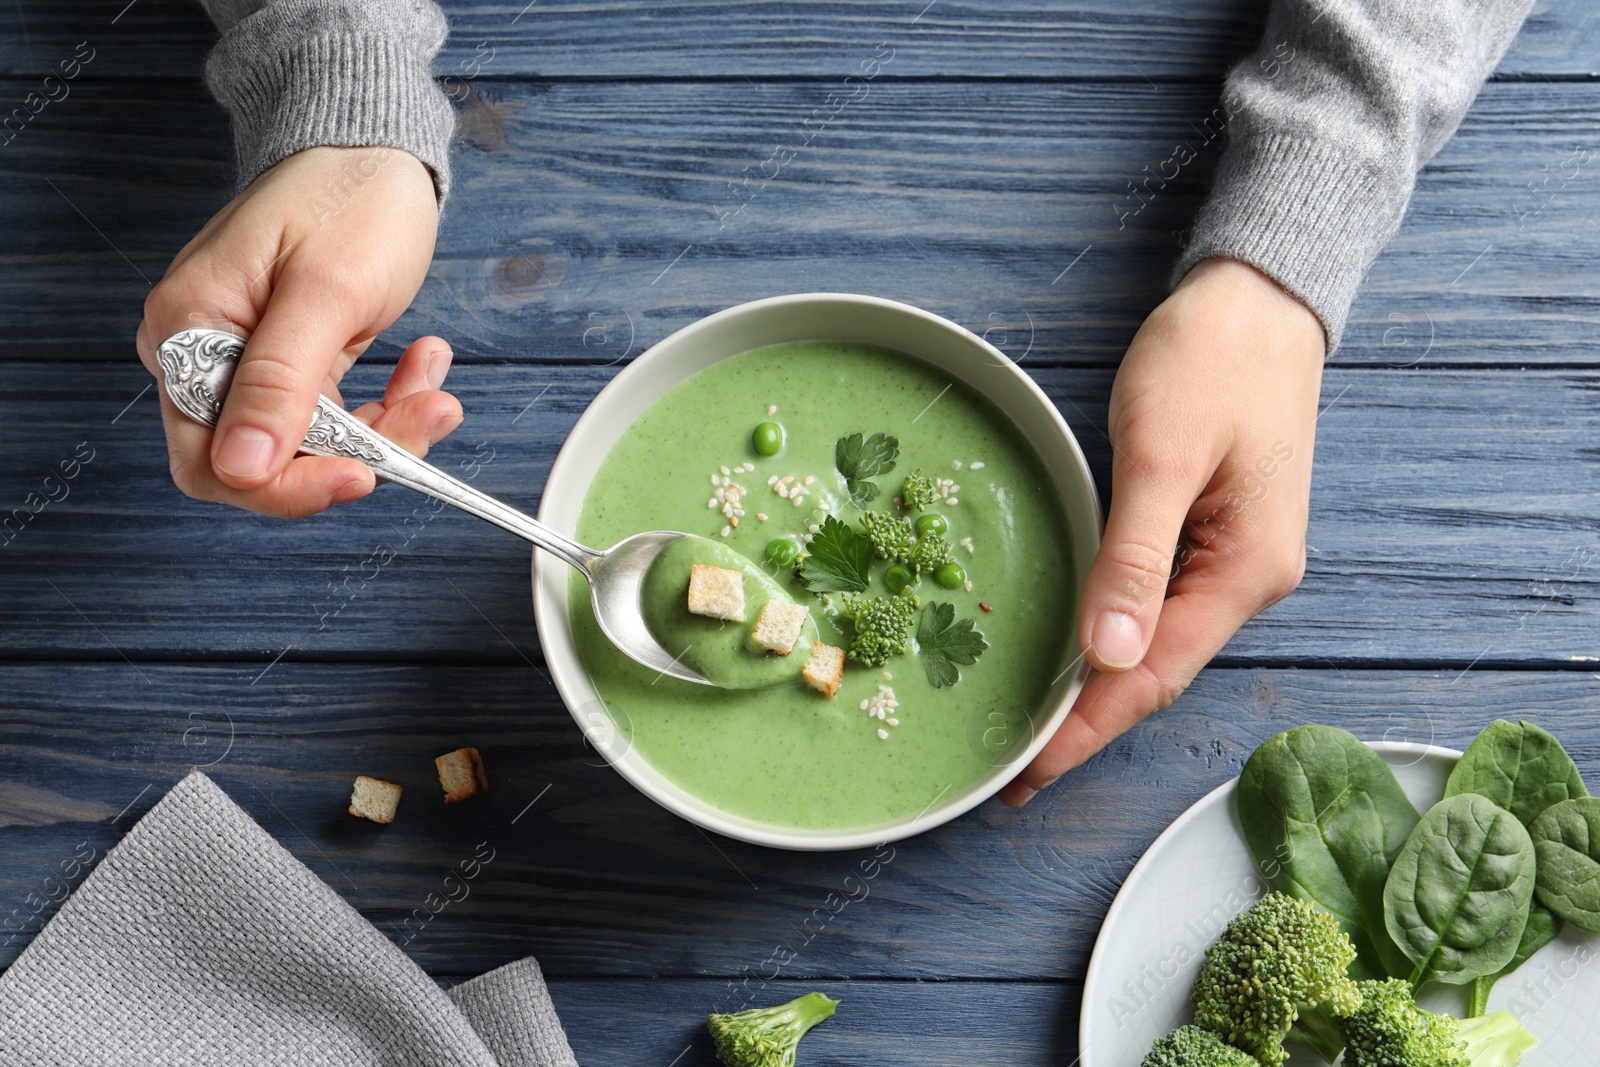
x=882, y=626
x=927, y=553
x=767, y=1037
x=890, y=535
x=1190, y=1046
x=1278, y=958
x=917, y=492
x=1389, y=1030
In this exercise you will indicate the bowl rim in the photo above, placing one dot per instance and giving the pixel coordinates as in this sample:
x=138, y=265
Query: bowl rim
x=571, y=680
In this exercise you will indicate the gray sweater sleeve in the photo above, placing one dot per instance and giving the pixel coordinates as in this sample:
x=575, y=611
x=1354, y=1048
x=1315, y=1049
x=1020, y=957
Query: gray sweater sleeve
x=1328, y=123
x=294, y=74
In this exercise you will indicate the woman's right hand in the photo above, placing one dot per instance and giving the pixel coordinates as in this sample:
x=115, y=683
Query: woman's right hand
x=318, y=256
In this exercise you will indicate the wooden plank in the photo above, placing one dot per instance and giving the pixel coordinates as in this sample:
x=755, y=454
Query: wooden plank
x=917, y=1024
x=592, y=219
x=1453, y=521
x=1131, y=41
x=595, y=879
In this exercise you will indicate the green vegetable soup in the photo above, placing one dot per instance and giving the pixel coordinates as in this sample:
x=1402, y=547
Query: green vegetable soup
x=795, y=443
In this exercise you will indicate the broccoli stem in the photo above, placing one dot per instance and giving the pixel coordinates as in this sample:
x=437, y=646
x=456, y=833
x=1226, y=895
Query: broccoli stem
x=1494, y=1040
x=1318, y=1030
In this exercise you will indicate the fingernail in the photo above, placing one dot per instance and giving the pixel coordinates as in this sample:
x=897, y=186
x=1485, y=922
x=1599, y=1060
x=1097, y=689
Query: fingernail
x=245, y=452
x=1117, y=640
x=1025, y=800
x=438, y=366
x=354, y=489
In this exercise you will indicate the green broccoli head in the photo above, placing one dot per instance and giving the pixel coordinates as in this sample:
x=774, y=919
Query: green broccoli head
x=928, y=552
x=917, y=492
x=767, y=1037
x=1190, y=1046
x=1281, y=956
x=1389, y=1030
x=882, y=626
x=891, y=536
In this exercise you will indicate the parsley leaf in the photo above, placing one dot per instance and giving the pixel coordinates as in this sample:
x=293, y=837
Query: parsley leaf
x=943, y=641
x=836, y=559
x=860, y=458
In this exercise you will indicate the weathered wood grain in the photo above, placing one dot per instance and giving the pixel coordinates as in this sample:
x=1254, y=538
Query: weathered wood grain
x=1454, y=520
x=918, y=1024
x=597, y=880
x=729, y=38
x=589, y=220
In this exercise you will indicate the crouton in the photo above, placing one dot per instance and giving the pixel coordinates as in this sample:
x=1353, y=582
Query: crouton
x=374, y=799
x=716, y=592
x=825, y=669
x=779, y=625
x=461, y=774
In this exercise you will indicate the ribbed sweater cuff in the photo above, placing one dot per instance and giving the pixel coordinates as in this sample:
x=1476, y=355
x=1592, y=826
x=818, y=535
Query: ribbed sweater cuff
x=1307, y=215
x=315, y=76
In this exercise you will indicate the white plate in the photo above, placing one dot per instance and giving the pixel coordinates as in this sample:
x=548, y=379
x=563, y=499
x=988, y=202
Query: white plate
x=1199, y=873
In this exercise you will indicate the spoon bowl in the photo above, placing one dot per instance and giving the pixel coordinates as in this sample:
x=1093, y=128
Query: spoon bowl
x=197, y=368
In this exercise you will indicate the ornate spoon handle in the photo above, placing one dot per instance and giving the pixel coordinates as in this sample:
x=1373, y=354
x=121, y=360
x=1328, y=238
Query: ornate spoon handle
x=198, y=367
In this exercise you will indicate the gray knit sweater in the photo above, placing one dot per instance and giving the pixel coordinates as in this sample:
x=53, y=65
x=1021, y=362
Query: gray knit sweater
x=294, y=74
x=1328, y=122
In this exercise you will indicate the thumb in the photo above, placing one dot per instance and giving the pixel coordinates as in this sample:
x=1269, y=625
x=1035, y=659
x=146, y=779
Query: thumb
x=274, y=392
x=1127, y=583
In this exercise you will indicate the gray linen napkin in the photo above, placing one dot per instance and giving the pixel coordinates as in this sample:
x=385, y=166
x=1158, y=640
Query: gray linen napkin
x=200, y=940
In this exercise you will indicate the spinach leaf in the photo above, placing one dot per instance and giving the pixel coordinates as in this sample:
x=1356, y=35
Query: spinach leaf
x=1543, y=926
x=1324, y=817
x=1520, y=767
x=1457, y=897
x=1566, y=839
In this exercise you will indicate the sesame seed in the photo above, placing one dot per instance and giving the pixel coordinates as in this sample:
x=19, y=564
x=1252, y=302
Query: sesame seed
x=797, y=500
x=883, y=735
x=787, y=478
x=711, y=503
x=734, y=522
x=814, y=528
x=809, y=479
x=967, y=585
x=725, y=471
x=772, y=480
x=783, y=491
x=955, y=489
x=977, y=466
x=824, y=506
x=726, y=530
x=955, y=464
x=772, y=409
x=806, y=538
x=952, y=501
x=761, y=515
x=715, y=480
x=984, y=606
x=888, y=677
x=863, y=705
x=892, y=722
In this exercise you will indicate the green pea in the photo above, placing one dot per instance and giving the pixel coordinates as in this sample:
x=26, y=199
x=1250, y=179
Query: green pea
x=899, y=578
x=932, y=524
x=782, y=552
x=767, y=439
x=950, y=575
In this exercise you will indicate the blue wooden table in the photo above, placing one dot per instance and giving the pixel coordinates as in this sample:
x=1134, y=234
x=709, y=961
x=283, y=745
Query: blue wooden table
x=609, y=190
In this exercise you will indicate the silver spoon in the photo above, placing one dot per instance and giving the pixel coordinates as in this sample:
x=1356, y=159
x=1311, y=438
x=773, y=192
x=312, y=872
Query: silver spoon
x=198, y=366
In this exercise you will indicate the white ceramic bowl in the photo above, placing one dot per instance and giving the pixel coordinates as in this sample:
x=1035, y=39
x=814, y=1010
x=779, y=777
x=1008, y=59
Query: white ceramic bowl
x=802, y=317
